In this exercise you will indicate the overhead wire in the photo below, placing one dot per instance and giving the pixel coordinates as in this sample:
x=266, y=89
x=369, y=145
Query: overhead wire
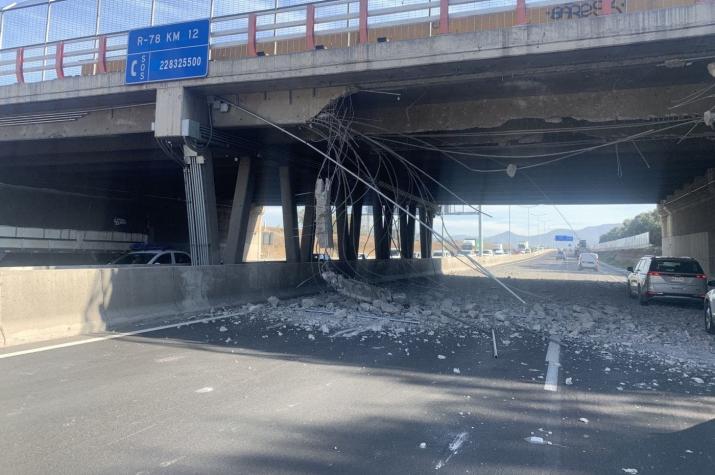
x=474, y=264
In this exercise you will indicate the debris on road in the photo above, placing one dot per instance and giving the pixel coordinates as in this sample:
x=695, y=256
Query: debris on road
x=536, y=440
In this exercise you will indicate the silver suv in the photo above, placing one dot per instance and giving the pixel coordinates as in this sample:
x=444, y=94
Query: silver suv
x=667, y=277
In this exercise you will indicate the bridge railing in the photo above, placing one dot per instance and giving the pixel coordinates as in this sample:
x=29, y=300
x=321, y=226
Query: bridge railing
x=298, y=26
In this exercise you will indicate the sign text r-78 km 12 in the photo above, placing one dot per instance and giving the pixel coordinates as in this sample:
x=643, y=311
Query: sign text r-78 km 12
x=168, y=52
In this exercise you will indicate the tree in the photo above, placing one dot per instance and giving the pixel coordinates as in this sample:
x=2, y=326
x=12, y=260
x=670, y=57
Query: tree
x=644, y=222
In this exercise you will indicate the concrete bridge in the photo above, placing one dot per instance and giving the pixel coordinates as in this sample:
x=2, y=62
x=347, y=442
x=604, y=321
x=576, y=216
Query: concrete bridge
x=444, y=101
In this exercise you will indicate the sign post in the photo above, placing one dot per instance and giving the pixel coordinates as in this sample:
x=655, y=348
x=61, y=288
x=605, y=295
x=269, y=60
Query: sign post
x=168, y=52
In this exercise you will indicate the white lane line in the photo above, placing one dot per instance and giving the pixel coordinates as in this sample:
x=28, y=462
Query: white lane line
x=552, y=373
x=113, y=336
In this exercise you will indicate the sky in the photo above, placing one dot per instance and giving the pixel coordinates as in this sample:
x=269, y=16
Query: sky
x=525, y=220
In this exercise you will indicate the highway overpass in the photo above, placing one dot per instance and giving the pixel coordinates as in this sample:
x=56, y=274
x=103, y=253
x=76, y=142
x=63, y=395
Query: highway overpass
x=442, y=102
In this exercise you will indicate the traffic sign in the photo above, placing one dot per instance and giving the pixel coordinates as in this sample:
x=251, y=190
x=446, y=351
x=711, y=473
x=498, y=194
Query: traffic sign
x=168, y=52
x=563, y=237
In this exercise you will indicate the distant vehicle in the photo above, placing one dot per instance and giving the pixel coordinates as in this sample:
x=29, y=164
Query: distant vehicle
x=469, y=247
x=362, y=256
x=561, y=254
x=499, y=252
x=152, y=257
x=394, y=254
x=523, y=246
x=588, y=260
x=679, y=278
x=487, y=252
x=440, y=254
x=321, y=257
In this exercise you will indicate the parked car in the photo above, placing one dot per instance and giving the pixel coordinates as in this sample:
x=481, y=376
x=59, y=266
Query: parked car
x=499, y=252
x=440, y=254
x=679, y=278
x=588, y=260
x=151, y=257
x=487, y=252
x=395, y=254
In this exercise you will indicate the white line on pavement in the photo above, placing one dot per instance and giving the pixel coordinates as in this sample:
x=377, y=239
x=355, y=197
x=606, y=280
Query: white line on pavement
x=113, y=336
x=552, y=372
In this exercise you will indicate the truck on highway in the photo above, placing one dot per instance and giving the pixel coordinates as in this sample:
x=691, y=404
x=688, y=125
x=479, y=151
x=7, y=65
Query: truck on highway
x=522, y=247
x=469, y=247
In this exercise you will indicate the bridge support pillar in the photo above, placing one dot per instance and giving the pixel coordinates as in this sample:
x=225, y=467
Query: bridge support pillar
x=382, y=224
x=238, y=225
x=407, y=232
x=341, y=221
x=201, y=207
x=307, y=239
x=688, y=227
x=290, y=216
x=427, y=217
x=355, y=225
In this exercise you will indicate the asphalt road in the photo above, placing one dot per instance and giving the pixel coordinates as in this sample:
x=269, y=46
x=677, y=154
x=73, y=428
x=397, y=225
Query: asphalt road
x=247, y=396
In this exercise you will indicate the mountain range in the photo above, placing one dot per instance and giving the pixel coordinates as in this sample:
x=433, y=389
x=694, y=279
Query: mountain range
x=590, y=234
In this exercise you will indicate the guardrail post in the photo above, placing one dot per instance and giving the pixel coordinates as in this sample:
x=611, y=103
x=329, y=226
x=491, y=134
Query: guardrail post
x=252, y=34
x=60, y=60
x=363, y=22
x=443, y=17
x=521, y=12
x=606, y=8
x=102, y=55
x=19, y=65
x=310, y=27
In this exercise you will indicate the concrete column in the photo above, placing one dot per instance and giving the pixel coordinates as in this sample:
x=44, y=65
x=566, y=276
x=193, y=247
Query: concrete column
x=426, y=217
x=290, y=217
x=378, y=228
x=341, y=221
x=387, y=227
x=355, y=224
x=201, y=207
x=407, y=232
x=254, y=228
x=238, y=225
x=307, y=240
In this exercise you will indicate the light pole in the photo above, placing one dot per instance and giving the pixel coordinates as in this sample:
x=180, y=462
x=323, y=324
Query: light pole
x=481, y=241
x=510, y=229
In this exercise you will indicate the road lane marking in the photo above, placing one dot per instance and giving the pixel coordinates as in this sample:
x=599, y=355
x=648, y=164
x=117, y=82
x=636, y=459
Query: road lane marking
x=552, y=372
x=114, y=336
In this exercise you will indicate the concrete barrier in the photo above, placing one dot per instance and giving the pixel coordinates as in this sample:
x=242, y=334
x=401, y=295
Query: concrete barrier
x=42, y=303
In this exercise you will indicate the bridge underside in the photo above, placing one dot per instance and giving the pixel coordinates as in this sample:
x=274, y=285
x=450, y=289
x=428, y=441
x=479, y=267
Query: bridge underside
x=601, y=125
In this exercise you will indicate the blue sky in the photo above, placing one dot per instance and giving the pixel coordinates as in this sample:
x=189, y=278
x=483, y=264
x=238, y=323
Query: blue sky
x=543, y=217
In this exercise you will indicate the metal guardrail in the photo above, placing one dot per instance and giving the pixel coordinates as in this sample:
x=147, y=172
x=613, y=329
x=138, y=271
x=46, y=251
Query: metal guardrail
x=259, y=32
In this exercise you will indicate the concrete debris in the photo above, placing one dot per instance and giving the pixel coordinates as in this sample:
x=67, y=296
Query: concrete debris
x=537, y=440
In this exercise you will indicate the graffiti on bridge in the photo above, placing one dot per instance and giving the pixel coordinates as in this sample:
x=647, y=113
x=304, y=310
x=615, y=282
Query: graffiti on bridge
x=568, y=11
